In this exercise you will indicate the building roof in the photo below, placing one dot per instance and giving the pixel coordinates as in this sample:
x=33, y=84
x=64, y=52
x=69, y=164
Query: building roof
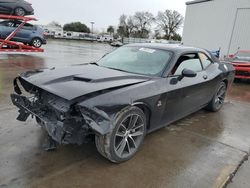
x=196, y=1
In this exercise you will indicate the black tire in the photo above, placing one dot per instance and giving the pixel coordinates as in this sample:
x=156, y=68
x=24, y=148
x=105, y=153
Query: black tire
x=119, y=146
x=36, y=42
x=19, y=11
x=218, y=99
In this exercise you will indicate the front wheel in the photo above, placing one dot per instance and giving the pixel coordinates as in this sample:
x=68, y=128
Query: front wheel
x=218, y=99
x=125, y=139
x=36, y=42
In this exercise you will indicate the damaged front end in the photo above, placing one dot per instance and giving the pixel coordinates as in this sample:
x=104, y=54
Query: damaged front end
x=65, y=123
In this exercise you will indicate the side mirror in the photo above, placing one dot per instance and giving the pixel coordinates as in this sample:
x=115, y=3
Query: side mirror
x=187, y=73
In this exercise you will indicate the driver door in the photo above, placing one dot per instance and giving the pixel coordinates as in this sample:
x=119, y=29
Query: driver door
x=24, y=34
x=185, y=95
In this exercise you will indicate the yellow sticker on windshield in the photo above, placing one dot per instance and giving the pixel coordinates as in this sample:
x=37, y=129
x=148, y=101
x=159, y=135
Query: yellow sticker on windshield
x=148, y=50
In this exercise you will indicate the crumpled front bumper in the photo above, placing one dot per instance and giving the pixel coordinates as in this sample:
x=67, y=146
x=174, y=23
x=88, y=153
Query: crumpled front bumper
x=69, y=131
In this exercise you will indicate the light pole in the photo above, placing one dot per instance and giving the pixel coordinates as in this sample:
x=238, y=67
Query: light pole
x=92, y=26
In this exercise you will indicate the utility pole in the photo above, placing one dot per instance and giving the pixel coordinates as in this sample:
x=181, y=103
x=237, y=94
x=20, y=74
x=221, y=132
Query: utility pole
x=92, y=27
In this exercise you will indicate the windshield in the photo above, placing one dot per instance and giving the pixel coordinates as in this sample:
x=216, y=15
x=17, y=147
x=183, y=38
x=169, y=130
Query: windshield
x=243, y=55
x=137, y=60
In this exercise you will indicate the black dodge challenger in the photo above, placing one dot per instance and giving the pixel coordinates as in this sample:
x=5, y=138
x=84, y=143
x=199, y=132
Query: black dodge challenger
x=128, y=93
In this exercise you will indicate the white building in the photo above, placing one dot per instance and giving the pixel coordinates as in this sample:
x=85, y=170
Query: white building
x=214, y=24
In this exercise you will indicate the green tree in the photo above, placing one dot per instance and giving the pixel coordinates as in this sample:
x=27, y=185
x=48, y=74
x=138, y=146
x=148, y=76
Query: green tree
x=176, y=37
x=76, y=27
x=110, y=29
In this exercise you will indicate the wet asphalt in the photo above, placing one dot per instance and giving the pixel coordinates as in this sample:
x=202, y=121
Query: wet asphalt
x=202, y=150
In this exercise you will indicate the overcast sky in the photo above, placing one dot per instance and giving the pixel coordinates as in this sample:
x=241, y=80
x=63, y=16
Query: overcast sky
x=102, y=12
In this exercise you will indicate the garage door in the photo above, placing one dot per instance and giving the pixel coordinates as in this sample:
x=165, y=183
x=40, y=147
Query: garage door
x=241, y=33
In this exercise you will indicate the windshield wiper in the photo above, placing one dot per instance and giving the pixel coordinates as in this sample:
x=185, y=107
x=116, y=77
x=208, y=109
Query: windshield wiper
x=118, y=69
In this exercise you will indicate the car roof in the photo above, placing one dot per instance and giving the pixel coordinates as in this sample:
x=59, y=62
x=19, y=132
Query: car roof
x=177, y=48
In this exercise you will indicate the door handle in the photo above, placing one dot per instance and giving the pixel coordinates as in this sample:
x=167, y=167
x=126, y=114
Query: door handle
x=205, y=77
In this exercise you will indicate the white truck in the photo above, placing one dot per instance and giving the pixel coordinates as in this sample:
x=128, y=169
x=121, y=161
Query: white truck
x=105, y=38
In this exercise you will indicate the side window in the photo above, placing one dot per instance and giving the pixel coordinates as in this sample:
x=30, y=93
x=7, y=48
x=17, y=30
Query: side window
x=188, y=61
x=3, y=23
x=205, y=60
x=10, y=24
x=27, y=27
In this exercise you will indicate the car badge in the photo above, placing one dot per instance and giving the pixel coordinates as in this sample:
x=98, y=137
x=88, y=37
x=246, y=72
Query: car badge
x=159, y=103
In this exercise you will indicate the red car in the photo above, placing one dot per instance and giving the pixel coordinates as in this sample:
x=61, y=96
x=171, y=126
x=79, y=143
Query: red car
x=241, y=63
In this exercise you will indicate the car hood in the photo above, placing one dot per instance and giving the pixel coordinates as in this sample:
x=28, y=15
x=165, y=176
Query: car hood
x=81, y=80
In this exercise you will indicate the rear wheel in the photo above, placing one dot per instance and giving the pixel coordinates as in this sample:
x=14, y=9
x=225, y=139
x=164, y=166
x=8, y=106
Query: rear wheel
x=126, y=138
x=19, y=11
x=218, y=99
x=36, y=42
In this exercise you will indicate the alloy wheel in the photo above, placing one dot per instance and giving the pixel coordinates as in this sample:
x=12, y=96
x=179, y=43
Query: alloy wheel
x=129, y=135
x=220, y=96
x=37, y=43
x=19, y=12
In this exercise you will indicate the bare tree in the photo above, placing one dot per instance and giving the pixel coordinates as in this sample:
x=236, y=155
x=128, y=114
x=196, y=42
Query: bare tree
x=142, y=22
x=123, y=20
x=169, y=21
x=55, y=24
x=137, y=25
x=126, y=26
x=130, y=25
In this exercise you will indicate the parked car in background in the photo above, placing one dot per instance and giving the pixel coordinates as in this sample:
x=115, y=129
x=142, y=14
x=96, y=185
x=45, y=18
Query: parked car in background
x=241, y=62
x=16, y=7
x=128, y=93
x=105, y=38
x=29, y=34
x=116, y=44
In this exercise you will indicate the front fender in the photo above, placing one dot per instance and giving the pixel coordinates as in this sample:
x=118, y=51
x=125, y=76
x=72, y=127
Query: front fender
x=103, y=120
x=98, y=120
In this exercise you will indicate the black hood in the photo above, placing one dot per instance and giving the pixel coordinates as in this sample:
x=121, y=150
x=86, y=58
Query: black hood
x=77, y=81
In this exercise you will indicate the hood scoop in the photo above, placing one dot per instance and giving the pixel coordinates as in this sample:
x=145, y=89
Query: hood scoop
x=80, y=78
x=104, y=79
